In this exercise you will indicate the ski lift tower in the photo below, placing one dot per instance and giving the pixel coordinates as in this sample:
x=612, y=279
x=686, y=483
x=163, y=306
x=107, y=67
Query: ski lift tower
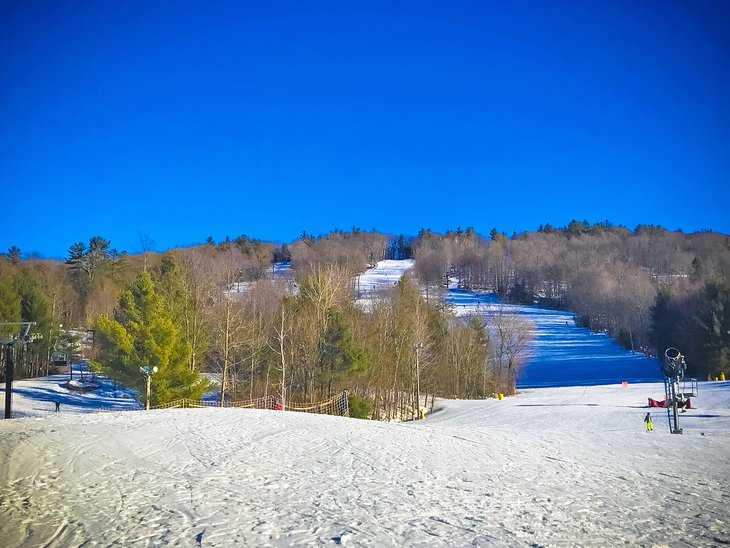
x=676, y=389
x=12, y=332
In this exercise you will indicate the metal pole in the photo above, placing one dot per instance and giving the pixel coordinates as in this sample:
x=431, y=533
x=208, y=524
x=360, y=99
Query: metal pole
x=9, y=370
x=677, y=429
x=147, y=402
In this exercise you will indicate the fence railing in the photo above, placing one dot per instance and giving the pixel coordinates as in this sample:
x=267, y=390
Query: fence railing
x=336, y=405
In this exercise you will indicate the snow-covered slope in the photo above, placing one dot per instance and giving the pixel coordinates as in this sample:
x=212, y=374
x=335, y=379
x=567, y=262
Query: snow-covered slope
x=383, y=275
x=561, y=353
x=550, y=466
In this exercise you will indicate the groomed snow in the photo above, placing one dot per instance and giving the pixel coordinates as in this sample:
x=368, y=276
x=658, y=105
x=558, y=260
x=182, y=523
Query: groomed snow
x=550, y=466
x=561, y=353
x=382, y=276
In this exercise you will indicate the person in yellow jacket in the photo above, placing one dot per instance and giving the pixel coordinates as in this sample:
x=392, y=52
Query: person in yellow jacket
x=649, y=424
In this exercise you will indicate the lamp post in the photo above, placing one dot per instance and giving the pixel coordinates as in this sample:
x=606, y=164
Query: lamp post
x=148, y=372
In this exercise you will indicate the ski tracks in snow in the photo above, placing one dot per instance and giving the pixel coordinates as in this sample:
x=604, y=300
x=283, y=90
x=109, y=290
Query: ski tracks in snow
x=548, y=467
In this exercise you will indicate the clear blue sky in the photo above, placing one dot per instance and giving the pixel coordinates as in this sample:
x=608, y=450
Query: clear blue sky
x=181, y=119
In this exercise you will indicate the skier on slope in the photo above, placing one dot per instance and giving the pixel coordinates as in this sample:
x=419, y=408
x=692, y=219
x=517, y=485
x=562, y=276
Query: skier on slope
x=649, y=424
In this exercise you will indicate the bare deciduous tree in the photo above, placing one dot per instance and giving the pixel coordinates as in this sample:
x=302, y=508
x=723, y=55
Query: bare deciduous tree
x=509, y=336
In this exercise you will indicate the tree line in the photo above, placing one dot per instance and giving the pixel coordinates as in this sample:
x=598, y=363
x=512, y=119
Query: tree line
x=218, y=309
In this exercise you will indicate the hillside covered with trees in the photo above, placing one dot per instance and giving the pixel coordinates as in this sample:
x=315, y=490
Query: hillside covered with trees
x=218, y=308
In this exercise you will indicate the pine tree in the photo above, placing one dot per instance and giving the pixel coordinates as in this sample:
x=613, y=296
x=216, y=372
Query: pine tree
x=143, y=333
x=339, y=353
x=96, y=256
x=717, y=293
x=13, y=254
x=663, y=332
x=35, y=306
x=87, y=262
x=9, y=297
x=76, y=254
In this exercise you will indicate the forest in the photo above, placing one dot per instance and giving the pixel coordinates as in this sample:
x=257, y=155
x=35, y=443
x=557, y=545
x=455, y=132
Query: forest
x=217, y=311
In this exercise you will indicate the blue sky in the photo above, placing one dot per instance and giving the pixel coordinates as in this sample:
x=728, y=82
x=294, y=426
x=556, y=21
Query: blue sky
x=179, y=120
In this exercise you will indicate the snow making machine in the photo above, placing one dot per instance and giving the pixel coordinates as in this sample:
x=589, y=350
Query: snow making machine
x=677, y=389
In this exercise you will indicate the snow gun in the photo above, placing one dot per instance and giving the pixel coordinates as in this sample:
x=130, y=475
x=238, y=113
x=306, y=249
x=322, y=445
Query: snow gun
x=677, y=390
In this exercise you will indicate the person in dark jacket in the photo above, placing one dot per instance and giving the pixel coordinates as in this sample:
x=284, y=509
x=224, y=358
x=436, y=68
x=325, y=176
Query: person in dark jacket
x=649, y=424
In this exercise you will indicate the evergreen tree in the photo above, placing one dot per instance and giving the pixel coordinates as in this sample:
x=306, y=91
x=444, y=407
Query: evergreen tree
x=13, y=254
x=400, y=248
x=717, y=294
x=577, y=228
x=497, y=237
x=35, y=306
x=339, y=354
x=76, y=254
x=9, y=297
x=143, y=333
x=96, y=257
x=698, y=269
x=87, y=262
x=662, y=333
